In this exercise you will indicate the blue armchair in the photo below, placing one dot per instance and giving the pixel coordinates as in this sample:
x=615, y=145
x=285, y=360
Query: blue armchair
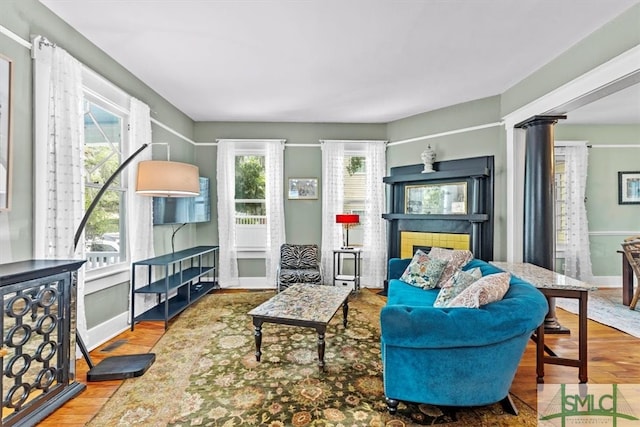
x=454, y=356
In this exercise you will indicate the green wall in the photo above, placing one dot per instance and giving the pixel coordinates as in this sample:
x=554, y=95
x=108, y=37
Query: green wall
x=604, y=214
x=483, y=142
x=303, y=218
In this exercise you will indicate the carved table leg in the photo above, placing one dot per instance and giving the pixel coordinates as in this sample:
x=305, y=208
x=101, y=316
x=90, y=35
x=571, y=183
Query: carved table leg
x=321, y=344
x=258, y=337
x=345, y=311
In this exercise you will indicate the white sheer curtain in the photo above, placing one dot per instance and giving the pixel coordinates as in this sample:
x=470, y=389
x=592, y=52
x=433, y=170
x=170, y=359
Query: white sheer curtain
x=225, y=176
x=577, y=251
x=374, y=251
x=274, y=169
x=332, y=204
x=59, y=154
x=139, y=209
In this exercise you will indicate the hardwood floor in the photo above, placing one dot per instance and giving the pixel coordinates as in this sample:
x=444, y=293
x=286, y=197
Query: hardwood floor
x=79, y=411
x=613, y=358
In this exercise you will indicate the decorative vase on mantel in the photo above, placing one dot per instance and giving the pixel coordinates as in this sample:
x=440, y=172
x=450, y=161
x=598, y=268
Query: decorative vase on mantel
x=428, y=157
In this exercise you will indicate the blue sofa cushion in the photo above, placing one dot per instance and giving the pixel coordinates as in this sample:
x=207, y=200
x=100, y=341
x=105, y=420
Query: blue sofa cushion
x=423, y=271
x=401, y=293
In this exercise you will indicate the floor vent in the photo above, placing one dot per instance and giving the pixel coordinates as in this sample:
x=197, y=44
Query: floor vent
x=113, y=346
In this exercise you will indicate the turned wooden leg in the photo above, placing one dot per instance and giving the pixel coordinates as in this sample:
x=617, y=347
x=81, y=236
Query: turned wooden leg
x=257, y=334
x=392, y=405
x=345, y=312
x=321, y=344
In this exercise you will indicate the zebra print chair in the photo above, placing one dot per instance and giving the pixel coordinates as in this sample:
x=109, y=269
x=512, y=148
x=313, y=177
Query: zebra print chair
x=298, y=264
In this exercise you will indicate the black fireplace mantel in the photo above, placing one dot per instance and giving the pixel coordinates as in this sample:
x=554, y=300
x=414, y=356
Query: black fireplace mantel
x=477, y=172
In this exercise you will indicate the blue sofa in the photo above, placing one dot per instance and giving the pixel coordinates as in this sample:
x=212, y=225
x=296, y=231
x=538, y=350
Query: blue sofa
x=454, y=356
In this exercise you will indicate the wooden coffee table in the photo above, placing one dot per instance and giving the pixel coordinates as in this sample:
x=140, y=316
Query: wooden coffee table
x=310, y=306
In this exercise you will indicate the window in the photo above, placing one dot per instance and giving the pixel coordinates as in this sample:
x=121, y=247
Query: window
x=105, y=230
x=251, y=209
x=354, y=191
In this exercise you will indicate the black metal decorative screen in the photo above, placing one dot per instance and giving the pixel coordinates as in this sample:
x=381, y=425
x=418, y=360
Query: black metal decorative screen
x=37, y=356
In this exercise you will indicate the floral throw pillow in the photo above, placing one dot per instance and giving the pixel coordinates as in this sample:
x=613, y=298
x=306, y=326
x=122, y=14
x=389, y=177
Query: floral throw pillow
x=460, y=281
x=423, y=271
x=455, y=258
x=488, y=289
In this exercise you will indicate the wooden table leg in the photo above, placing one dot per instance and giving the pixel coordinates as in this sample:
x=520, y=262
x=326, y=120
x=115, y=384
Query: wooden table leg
x=540, y=354
x=345, y=311
x=321, y=344
x=582, y=337
x=627, y=280
x=257, y=333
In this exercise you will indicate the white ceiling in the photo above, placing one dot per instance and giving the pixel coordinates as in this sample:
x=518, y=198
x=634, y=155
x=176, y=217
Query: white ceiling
x=622, y=107
x=368, y=61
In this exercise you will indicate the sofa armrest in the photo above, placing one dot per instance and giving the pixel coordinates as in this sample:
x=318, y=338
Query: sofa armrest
x=397, y=266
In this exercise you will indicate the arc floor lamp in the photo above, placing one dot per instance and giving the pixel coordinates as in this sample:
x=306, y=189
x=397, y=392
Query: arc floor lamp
x=155, y=178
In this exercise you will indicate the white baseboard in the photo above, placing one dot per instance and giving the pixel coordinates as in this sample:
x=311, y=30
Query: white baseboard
x=102, y=333
x=263, y=283
x=254, y=283
x=607, y=281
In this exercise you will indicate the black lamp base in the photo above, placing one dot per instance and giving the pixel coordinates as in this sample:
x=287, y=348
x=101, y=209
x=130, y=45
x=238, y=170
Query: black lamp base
x=121, y=367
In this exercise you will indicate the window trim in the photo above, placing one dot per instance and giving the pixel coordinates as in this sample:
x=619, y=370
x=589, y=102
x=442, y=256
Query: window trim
x=250, y=148
x=113, y=101
x=357, y=230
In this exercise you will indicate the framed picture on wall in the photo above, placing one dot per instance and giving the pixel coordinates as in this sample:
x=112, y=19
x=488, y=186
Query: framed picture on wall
x=6, y=68
x=629, y=188
x=303, y=188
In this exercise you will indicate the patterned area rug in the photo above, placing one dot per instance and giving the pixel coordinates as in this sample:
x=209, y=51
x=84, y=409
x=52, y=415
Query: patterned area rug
x=605, y=306
x=206, y=374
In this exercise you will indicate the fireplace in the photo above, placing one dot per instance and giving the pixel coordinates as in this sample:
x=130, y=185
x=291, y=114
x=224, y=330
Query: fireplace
x=419, y=220
x=410, y=241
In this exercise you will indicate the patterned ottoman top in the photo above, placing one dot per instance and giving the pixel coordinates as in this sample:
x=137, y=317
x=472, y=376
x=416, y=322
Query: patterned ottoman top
x=311, y=303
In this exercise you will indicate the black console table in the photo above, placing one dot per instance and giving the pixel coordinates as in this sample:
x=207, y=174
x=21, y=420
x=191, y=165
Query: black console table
x=181, y=273
x=38, y=339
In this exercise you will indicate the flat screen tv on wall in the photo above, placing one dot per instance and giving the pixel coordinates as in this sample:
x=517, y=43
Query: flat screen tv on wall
x=181, y=210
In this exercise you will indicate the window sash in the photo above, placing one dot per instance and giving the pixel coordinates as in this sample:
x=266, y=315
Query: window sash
x=251, y=230
x=101, y=261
